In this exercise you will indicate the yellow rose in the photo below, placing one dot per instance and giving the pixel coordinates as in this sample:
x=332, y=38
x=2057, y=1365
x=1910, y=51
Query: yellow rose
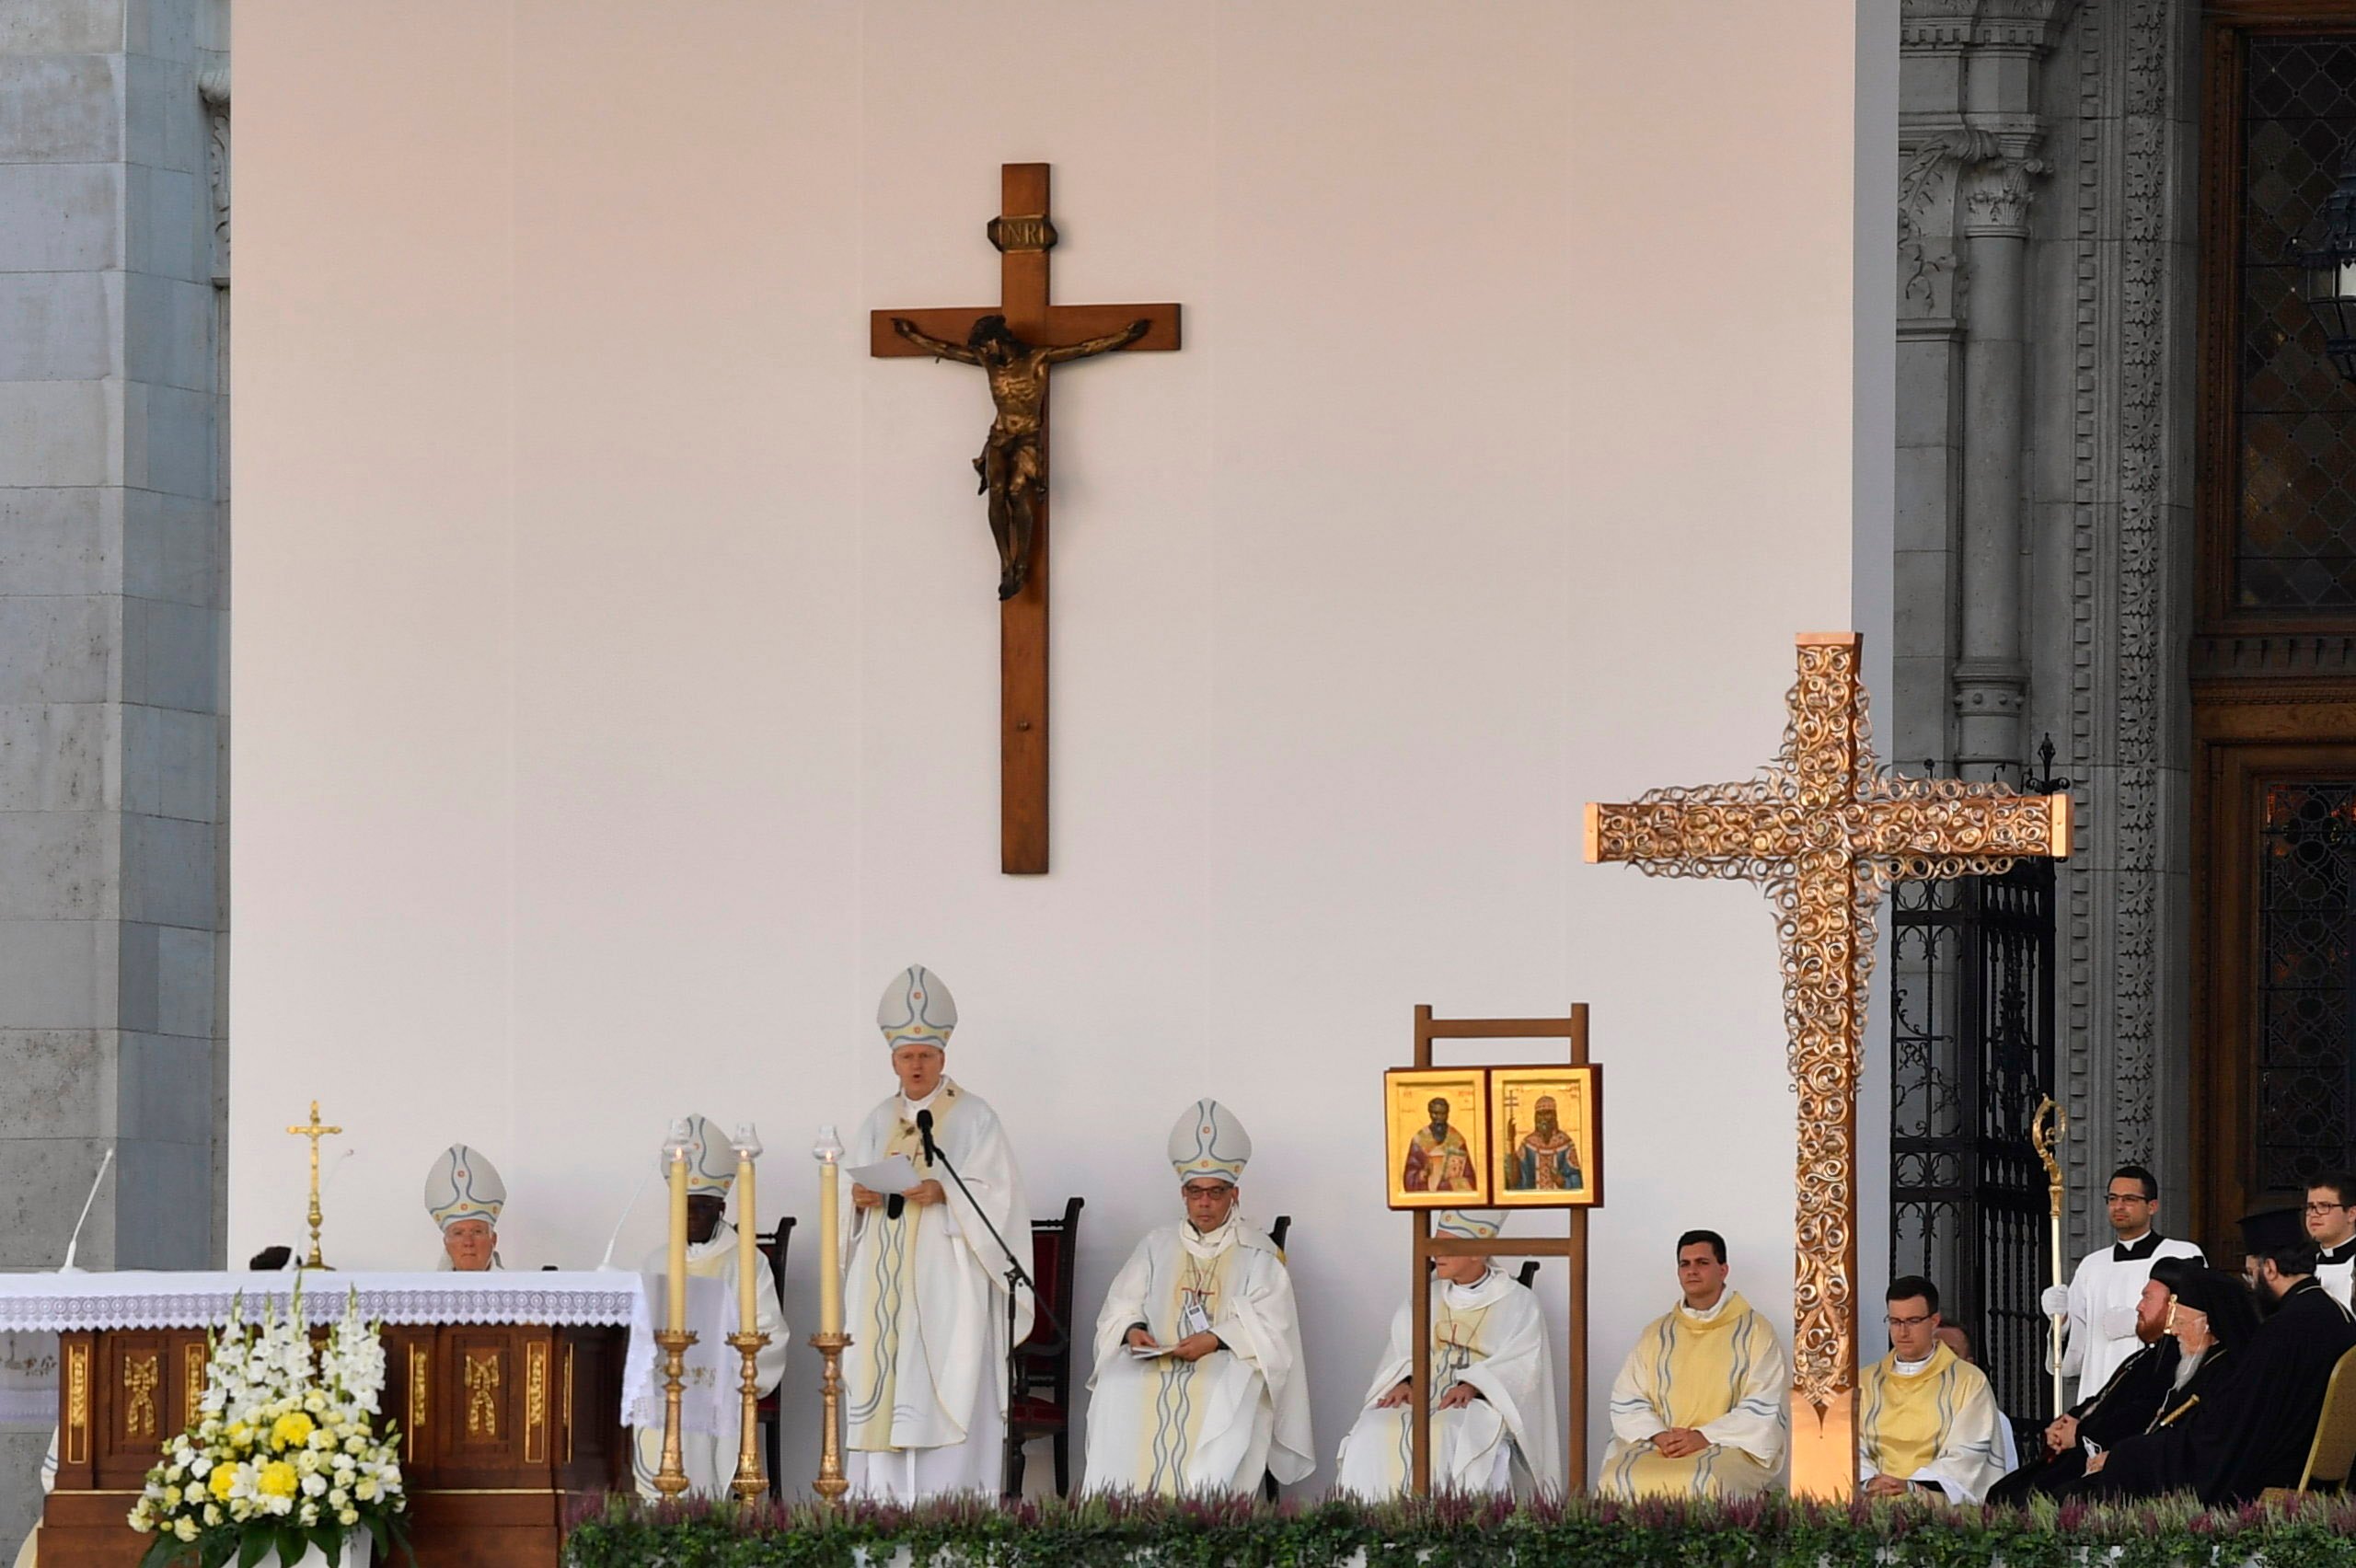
x=224, y=1477
x=277, y=1479
x=292, y=1430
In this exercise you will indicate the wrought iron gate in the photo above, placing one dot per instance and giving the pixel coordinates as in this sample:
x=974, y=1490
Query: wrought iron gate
x=1971, y=1038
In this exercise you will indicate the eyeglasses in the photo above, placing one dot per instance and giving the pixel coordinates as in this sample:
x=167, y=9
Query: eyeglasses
x=1909, y=1322
x=2125, y=1198
x=2327, y=1208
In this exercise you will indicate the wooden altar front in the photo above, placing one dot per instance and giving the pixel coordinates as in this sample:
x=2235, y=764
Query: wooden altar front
x=504, y=1427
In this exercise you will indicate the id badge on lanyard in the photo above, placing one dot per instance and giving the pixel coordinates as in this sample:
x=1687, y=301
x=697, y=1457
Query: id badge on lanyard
x=1192, y=1319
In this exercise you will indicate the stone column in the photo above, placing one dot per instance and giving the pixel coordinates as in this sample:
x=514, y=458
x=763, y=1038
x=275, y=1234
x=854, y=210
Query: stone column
x=111, y=904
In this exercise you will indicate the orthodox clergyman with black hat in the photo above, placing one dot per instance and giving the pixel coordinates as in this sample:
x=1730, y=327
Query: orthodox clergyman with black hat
x=2254, y=1430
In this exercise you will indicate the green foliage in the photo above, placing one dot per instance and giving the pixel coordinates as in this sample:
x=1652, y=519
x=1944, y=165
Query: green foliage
x=622, y=1532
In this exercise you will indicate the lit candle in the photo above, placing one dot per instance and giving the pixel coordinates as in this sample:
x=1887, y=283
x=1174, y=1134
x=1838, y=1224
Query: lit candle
x=748, y=1225
x=675, y=1315
x=830, y=1273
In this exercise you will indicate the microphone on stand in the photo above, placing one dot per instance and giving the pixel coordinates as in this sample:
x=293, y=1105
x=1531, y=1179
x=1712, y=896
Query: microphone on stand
x=75, y=1240
x=606, y=1264
x=924, y=1131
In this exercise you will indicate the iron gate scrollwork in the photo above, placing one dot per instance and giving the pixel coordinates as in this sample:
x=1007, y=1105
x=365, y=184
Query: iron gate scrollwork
x=1972, y=1026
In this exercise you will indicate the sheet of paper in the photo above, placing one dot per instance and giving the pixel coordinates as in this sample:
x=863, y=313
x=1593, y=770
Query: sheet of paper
x=1148, y=1352
x=896, y=1174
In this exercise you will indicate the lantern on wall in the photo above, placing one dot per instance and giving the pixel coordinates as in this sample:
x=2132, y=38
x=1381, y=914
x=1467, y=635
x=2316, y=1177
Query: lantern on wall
x=2326, y=258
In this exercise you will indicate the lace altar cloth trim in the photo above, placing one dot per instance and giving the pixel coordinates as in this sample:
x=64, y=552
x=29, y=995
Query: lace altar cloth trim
x=155, y=1299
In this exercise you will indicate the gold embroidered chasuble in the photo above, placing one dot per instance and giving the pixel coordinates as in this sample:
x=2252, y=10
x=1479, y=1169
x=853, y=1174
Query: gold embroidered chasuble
x=1937, y=1422
x=1720, y=1372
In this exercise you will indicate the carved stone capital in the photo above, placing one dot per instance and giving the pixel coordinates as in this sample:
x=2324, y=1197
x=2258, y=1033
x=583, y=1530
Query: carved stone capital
x=213, y=87
x=1997, y=195
x=1929, y=277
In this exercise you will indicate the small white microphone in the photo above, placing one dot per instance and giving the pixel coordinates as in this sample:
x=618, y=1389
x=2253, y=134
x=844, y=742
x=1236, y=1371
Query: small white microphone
x=75, y=1240
x=606, y=1264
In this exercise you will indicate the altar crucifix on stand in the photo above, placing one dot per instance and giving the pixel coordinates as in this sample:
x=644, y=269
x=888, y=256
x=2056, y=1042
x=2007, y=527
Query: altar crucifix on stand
x=1015, y=343
x=1827, y=831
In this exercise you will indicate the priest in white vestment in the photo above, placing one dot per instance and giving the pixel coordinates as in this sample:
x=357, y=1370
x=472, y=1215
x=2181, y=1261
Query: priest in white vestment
x=464, y=1194
x=1927, y=1422
x=1494, y=1401
x=710, y=1458
x=1699, y=1409
x=1200, y=1387
x=2101, y=1298
x=924, y=1380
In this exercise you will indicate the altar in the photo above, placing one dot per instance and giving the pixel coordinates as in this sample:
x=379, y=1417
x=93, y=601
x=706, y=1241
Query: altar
x=508, y=1389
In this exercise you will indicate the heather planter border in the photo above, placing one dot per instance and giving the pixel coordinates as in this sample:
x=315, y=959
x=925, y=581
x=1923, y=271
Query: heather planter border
x=621, y=1532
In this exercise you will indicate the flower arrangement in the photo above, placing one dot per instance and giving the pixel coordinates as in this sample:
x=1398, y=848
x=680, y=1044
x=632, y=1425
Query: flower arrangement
x=284, y=1451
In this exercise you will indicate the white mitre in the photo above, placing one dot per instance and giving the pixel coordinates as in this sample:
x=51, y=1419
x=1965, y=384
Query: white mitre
x=1469, y=1225
x=712, y=1163
x=464, y=1185
x=1209, y=1141
x=916, y=1009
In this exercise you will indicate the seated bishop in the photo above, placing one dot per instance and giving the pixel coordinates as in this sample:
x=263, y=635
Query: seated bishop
x=1494, y=1405
x=711, y=1456
x=1927, y=1422
x=1199, y=1385
x=464, y=1194
x=924, y=1380
x=1698, y=1409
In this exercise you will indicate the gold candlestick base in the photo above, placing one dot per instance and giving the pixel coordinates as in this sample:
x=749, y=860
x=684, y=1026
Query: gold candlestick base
x=831, y=1483
x=672, y=1478
x=749, y=1482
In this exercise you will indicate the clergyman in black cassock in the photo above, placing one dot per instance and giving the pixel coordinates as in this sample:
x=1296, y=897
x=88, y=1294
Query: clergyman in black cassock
x=2253, y=1432
x=2126, y=1405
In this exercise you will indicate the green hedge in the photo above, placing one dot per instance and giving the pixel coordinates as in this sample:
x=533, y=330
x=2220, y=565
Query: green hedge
x=621, y=1532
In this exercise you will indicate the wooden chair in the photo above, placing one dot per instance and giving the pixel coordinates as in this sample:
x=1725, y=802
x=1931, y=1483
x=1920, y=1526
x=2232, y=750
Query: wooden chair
x=1276, y=1233
x=2333, y=1452
x=1529, y=1273
x=1042, y=1405
x=773, y=1245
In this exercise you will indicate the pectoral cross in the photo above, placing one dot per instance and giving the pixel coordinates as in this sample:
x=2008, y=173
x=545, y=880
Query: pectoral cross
x=1826, y=831
x=1018, y=339
x=315, y=1131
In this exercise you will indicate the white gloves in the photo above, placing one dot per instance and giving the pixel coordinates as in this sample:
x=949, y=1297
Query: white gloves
x=2116, y=1323
x=2055, y=1301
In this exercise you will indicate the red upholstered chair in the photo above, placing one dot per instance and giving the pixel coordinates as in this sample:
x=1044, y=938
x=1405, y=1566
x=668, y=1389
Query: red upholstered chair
x=1042, y=1406
x=773, y=1244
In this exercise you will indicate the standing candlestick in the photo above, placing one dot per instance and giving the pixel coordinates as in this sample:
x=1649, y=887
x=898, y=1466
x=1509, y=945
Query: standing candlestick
x=2046, y=1130
x=829, y=1153
x=749, y=1339
x=831, y=1483
x=671, y=1478
x=315, y=1132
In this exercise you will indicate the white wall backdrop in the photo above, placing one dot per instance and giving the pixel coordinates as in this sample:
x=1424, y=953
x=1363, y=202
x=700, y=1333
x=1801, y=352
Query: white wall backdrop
x=615, y=647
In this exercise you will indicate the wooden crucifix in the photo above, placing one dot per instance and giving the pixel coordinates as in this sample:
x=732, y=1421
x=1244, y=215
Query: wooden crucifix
x=1826, y=831
x=1016, y=342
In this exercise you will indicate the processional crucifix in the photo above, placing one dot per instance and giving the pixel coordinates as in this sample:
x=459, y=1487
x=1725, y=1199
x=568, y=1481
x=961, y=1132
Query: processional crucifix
x=1827, y=831
x=1015, y=343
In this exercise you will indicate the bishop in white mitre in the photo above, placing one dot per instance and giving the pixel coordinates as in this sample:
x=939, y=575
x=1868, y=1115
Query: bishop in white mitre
x=464, y=1194
x=710, y=1458
x=1494, y=1404
x=2101, y=1298
x=1698, y=1407
x=925, y=1376
x=1199, y=1386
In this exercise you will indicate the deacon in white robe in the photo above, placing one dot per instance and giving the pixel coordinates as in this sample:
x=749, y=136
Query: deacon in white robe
x=1200, y=1387
x=2101, y=1296
x=710, y=1458
x=1698, y=1407
x=1494, y=1401
x=1927, y=1422
x=924, y=1379
x=2331, y=1222
x=465, y=1196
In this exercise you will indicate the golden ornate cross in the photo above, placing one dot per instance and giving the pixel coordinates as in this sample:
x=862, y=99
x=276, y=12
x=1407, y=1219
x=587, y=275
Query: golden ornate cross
x=315, y=1132
x=1826, y=832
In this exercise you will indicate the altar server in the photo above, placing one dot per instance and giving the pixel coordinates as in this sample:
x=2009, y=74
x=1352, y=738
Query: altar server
x=1199, y=1385
x=1698, y=1407
x=711, y=1456
x=1927, y=1422
x=464, y=1194
x=2101, y=1298
x=1493, y=1403
x=2331, y=1222
x=925, y=1376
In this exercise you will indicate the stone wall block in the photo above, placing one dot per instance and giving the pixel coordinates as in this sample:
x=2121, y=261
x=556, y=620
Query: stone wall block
x=59, y=432
x=167, y=654
x=165, y=1089
x=58, y=217
x=60, y=109
x=161, y=113
x=170, y=215
x=42, y=1184
x=169, y=762
x=60, y=27
x=150, y=1234
x=59, y=539
x=170, y=871
x=169, y=546
x=1926, y=375
x=57, y=649
x=135, y=986
x=56, y=326
x=55, y=1080
x=184, y=986
x=58, y=973
x=58, y=757
x=168, y=331
x=1926, y=498
x=57, y=866
x=166, y=29
x=167, y=440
